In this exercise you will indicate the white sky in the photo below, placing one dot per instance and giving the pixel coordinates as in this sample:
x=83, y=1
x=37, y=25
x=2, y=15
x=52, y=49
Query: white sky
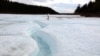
x=62, y=6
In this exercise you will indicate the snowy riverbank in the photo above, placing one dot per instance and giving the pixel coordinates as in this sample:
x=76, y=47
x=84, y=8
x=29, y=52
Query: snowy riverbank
x=34, y=35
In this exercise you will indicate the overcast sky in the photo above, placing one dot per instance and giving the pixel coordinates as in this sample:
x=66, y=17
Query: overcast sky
x=62, y=6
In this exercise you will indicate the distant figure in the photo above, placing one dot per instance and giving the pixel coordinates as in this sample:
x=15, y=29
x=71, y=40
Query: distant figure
x=47, y=16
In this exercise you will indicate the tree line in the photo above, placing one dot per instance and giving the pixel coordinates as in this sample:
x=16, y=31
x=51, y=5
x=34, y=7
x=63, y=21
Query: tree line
x=90, y=8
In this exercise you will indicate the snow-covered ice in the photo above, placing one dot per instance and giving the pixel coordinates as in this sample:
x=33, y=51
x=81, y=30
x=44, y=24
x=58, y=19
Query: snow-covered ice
x=61, y=35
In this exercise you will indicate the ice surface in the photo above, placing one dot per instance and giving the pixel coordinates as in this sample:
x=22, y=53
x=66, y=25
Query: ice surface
x=61, y=35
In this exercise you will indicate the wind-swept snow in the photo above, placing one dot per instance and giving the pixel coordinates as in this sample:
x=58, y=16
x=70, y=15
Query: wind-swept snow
x=34, y=35
x=15, y=39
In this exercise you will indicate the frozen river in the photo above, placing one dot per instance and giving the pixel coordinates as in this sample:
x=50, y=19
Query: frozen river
x=60, y=35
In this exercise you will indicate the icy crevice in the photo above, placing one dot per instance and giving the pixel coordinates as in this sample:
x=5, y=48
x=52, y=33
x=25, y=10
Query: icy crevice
x=44, y=40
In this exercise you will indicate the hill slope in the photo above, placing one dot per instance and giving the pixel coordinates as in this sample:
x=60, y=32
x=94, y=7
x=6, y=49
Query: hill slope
x=19, y=8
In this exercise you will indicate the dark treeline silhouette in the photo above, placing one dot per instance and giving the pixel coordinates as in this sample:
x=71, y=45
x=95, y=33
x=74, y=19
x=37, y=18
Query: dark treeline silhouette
x=90, y=9
x=7, y=6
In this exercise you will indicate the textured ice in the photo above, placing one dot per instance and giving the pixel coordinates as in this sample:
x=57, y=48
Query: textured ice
x=61, y=35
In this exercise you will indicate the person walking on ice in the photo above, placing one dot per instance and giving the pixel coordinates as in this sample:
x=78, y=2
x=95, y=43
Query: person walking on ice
x=47, y=16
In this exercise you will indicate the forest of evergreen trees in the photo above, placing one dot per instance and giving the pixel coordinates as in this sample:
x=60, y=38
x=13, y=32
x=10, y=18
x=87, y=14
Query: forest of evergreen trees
x=90, y=9
x=7, y=6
